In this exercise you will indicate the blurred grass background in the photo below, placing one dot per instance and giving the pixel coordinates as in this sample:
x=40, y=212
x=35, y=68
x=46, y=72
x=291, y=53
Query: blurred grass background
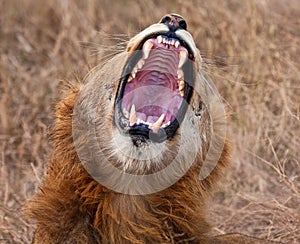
x=252, y=53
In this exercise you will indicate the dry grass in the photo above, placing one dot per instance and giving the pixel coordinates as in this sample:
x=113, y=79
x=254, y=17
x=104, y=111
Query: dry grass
x=252, y=54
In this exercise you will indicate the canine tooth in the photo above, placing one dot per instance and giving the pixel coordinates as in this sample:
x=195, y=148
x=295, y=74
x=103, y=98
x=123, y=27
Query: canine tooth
x=182, y=58
x=177, y=44
x=180, y=74
x=132, y=116
x=155, y=126
x=133, y=74
x=181, y=93
x=159, y=39
x=147, y=48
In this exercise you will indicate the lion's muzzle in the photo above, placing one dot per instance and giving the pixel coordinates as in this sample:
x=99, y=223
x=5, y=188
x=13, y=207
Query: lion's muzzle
x=156, y=84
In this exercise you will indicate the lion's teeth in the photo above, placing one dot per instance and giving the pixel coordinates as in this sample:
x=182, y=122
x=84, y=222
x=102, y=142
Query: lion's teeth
x=155, y=126
x=166, y=124
x=125, y=112
x=147, y=48
x=182, y=58
x=132, y=116
x=159, y=39
x=180, y=74
x=135, y=69
x=167, y=41
x=140, y=64
x=130, y=78
x=180, y=85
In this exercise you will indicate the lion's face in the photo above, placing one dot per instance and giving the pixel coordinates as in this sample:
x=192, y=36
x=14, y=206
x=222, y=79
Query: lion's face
x=157, y=82
x=151, y=105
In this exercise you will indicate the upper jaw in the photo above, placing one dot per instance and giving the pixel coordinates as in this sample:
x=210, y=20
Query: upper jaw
x=139, y=47
x=161, y=29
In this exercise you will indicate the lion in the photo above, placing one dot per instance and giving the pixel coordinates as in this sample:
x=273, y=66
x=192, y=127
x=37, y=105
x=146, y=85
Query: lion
x=139, y=147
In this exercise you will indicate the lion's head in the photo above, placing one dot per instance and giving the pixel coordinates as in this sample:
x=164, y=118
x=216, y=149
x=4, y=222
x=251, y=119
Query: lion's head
x=150, y=108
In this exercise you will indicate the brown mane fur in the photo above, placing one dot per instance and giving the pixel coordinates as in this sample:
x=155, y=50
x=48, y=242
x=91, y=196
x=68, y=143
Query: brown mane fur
x=74, y=208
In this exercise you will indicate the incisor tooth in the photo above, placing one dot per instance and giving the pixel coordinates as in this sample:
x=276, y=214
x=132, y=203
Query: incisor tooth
x=159, y=39
x=147, y=48
x=182, y=58
x=132, y=116
x=155, y=126
x=172, y=42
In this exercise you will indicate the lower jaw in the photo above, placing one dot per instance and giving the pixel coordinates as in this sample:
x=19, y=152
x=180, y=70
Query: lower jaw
x=144, y=158
x=142, y=131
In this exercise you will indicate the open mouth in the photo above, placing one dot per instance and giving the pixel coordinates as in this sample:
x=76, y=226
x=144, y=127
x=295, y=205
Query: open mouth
x=155, y=88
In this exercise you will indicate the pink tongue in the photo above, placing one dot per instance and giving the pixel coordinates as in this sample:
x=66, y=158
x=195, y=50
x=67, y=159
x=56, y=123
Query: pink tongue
x=152, y=100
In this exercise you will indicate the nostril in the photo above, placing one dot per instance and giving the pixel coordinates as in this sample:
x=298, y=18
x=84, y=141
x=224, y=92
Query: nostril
x=174, y=22
x=182, y=24
x=166, y=19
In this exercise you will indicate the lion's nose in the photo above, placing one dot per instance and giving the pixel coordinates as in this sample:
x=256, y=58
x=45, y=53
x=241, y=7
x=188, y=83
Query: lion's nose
x=174, y=22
